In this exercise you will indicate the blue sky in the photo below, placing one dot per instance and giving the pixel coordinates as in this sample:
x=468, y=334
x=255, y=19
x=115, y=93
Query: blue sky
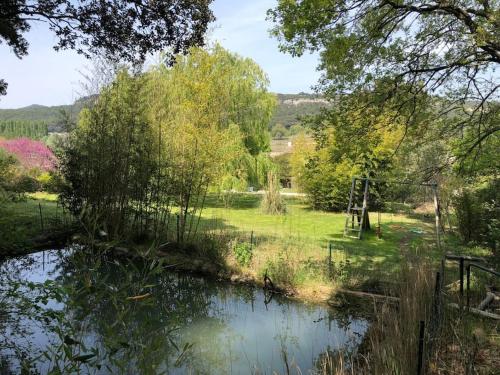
x=50, y=78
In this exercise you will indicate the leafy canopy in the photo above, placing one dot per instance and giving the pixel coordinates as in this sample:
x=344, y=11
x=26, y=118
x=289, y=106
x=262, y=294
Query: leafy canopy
x=123, y=29
x=154, y=143
x=445, y=48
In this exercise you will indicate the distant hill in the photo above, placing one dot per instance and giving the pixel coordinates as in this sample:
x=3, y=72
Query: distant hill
x=52, y=116
x=290, y=107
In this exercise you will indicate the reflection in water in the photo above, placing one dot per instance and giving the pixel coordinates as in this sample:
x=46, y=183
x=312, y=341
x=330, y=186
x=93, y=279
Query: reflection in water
x=70, y=311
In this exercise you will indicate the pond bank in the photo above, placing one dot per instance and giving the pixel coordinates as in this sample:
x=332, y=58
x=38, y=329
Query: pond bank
x=186, y=324
x=327, y=294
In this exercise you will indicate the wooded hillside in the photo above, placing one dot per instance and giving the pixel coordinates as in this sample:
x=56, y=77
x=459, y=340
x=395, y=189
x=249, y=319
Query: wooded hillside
x=290, y=107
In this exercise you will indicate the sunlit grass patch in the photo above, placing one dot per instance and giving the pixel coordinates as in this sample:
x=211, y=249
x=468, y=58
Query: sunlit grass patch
x=22, y=221
x=42, y=195
x=300, y=241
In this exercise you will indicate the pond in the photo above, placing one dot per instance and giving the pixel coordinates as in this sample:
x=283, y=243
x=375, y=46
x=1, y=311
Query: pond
x=66, y=311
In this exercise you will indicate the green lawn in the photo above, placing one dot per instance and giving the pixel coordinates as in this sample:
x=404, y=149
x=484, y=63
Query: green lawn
x=310, y=232
x=22, y=221
x=301, y=235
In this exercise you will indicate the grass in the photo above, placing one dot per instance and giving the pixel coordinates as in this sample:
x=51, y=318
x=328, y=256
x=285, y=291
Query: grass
x=300, y=240
x=291, y=248
x=21, y=221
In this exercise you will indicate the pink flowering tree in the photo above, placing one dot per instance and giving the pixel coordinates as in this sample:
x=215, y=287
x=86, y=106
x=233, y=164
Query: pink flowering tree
x=31, y=154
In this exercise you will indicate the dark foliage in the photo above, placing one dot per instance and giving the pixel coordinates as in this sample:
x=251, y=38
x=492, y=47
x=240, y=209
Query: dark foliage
x=124, y=30
x=478, y=214
x=27, y=129
x=3, y=87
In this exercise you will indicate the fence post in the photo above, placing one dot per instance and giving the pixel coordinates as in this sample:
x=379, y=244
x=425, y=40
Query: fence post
x=251, y=240
x=41, y=217
x=177, y=221
x=330, y=259
x=468, y=285
x=436, y=209
x=461, y=278
x=420, y=358
x=437, y=304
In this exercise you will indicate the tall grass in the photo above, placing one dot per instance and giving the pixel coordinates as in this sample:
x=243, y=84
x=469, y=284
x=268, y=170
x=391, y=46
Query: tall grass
x=273, y=203
x=394, y=336
x=455, y=342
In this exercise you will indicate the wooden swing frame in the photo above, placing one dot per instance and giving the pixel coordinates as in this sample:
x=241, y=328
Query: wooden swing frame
x=363, y=218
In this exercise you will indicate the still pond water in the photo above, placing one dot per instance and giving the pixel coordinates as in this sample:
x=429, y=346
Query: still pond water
x=64, y=312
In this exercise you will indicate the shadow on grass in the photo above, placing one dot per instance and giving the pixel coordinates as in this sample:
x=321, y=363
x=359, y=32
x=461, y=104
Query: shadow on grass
x=22, y=221
x=373, y=263
x=237, y=201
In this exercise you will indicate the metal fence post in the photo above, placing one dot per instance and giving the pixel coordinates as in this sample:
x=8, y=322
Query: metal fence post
x=461, y=278
x=468, y=285
x=41, y=216
x=420, y=359
x=330, y=259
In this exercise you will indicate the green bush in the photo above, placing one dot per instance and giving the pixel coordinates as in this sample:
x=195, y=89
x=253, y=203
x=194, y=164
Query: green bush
x=25, y=183
x=243, y=253
x=49, y=182
x=279, y=132
x=478, y=214
x=8, y=164
x=281, y=271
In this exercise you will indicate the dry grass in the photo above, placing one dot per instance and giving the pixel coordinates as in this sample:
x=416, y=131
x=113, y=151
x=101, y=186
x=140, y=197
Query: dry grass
x=460, y=344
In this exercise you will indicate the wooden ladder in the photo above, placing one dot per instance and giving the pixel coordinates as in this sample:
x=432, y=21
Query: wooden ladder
x=355, y=215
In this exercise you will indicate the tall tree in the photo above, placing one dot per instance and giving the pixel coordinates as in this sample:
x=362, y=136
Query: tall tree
x=142, y=158
x=123, y=29
x=403, y=48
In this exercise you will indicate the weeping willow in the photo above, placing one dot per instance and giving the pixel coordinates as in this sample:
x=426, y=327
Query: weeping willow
x=143, y=158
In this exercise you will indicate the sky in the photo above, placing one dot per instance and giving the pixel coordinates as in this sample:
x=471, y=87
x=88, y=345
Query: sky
x=48, y=77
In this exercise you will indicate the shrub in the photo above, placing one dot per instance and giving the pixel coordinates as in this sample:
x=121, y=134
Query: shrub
x=281, y=271
x=478, y=214
x=273, y=203
x=25, y=183
x=279, y=132
x=50, y=182
x=243, y=253
x=7, y=169
x=31, y=154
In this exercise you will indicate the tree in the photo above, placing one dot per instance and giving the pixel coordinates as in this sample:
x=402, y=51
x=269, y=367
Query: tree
x=404, y=50
x=325, y=173
x=296, y=129
x=302, y=151
x=142, y=158
x=211, y=110
x=227, y=89
x=279, y=131
x=108, y=161
x=121, y=29
x=7, y=166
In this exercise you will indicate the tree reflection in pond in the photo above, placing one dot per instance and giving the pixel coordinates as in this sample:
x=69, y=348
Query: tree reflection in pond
x=68, y=311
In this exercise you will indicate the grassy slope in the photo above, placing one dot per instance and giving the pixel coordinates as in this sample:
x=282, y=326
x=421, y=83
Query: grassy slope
x=20, y=221
x=298, y=240
x=302, y=235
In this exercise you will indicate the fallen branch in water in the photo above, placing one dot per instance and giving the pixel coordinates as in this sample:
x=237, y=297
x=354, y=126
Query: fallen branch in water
x=368, y=295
